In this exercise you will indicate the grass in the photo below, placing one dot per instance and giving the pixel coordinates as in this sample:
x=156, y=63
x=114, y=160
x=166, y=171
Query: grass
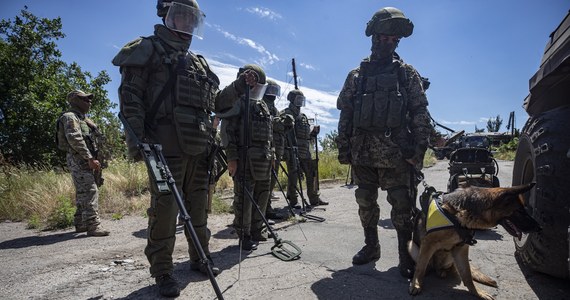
x=44, y=198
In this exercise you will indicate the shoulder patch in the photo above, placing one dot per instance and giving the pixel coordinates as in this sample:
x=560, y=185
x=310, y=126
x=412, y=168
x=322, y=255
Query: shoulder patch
x=135, y=53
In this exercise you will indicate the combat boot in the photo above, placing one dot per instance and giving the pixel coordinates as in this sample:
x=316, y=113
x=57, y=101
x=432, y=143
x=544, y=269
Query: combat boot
x=167, y=286
x=97, y=231
x=406, y=263
x=247, y=244
x=371, y=250
x=80, y=228
x=259, y=236
x=197, y=265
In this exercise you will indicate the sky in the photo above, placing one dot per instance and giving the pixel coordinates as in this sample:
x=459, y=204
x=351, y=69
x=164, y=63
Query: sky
x=478, y=55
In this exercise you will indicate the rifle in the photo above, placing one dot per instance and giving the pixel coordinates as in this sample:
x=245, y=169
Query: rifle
x=96, y=151
x=164, y=181
x=278, y=250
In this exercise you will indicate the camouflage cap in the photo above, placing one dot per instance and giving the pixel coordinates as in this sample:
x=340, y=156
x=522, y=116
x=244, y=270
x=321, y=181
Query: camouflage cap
x=78, y=94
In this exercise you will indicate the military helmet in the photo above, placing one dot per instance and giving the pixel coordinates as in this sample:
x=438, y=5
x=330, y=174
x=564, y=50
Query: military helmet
x=183, y=16
x=273, y=89
x=256, y=92
x=389, y=21
x=296, y=97
x=162, y=6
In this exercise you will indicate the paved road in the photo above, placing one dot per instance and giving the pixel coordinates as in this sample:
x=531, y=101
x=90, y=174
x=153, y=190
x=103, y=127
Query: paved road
x=115, y=268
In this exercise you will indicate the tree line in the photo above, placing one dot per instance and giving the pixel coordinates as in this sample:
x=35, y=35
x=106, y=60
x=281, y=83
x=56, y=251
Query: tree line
x=34, y=82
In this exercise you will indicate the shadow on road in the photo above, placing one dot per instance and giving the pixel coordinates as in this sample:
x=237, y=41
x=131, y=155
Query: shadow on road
x=366, y=282
x=29, y=241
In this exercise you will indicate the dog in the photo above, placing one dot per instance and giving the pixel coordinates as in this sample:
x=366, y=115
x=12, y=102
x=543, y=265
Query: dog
x=445, y=243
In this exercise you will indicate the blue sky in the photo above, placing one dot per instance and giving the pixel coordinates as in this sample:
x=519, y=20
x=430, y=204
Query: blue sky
x=478, y=55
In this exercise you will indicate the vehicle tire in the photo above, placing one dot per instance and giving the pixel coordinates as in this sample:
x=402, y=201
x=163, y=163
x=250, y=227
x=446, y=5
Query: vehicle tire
x=543, y=157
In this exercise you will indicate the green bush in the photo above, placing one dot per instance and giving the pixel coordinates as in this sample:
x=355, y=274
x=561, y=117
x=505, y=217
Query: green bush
x=62, y=215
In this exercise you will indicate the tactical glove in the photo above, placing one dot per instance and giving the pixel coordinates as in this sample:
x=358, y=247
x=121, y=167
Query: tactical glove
x=288, y=120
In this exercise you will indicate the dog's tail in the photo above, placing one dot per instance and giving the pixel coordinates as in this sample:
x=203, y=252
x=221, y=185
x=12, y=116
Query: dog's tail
x=413, y=250
x=482, y=278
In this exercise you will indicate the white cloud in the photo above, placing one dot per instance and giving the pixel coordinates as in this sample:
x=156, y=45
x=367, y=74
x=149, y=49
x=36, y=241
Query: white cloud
x=307, y=66
x=457, y=122
x=268, y=58
x=264, y=13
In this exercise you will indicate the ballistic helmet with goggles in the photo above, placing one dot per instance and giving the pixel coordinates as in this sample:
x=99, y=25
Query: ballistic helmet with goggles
x=389, y=21
x=182, y=16
x=296, y=97
x=273, y=90
x=255, y=92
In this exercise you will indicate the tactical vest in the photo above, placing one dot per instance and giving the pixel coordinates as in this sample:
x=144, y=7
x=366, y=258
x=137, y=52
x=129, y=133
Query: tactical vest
x=261, y=126
x=261, y=134
x=381, y=100
x=194, y=90
x=303, y=134
x=88, y=134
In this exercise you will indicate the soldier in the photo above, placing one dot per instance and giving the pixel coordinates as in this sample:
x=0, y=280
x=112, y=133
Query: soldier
x=167, y=95
x=383, y=132
x=300, y=136
x=279, y=124
x=77, y=136
x=248, y=222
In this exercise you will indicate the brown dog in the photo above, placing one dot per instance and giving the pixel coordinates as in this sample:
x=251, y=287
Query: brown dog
x=465, y=210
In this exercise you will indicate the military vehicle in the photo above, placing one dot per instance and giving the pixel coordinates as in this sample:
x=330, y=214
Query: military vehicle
x=543, y=156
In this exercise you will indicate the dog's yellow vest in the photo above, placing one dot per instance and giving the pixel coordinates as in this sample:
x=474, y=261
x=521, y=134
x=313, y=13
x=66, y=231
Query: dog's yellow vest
x=436, y=218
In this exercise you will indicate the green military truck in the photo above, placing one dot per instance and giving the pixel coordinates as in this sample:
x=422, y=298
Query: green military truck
x=543, y=156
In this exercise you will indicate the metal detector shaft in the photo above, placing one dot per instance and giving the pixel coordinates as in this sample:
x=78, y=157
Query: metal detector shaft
x=156, y=162
x=282, y=191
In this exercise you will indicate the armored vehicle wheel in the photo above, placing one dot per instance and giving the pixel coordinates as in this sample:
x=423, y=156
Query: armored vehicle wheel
x=543, y=157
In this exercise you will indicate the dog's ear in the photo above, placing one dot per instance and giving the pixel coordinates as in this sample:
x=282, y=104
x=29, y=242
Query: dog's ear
x=515, y=190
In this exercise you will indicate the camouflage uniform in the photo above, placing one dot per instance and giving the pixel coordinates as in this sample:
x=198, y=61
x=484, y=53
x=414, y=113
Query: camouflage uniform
x=302, y=133
x=384, y=122
x=79, y=136
x=167, y=95
x=248, y=222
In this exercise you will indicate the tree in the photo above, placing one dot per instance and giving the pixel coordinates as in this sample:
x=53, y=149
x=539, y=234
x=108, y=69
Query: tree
x=479, y=129
x=35, y=82
x=493, y=125
x=329, y=141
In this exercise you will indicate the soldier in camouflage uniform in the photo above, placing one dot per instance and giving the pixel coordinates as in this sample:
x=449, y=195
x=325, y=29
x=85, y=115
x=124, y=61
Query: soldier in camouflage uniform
x=77, y=136
x=383, y=132
x=300, y=136
x=167, y=95
x=279, y=124
x=248, y=222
